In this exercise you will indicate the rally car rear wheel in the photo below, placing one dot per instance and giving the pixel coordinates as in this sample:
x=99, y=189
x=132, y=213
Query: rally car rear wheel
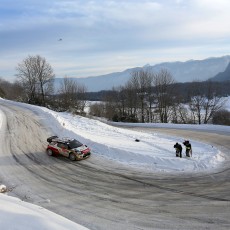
x=72, y=157
x=49, y=152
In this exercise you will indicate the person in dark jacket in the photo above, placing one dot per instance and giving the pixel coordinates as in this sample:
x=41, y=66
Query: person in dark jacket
x=178, y=148
x=188, y=147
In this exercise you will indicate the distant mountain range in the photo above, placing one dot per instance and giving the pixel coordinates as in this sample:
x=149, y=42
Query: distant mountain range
x=188, y=71
x=222, y=76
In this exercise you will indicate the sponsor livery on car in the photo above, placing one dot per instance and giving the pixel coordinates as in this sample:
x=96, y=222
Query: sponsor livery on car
x=71, y=148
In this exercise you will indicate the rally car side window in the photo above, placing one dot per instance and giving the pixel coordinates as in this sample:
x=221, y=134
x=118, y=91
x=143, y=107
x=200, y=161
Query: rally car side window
x=61, y=145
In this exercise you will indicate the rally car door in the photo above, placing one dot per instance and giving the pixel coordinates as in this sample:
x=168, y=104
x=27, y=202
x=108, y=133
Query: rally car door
x=63, y=149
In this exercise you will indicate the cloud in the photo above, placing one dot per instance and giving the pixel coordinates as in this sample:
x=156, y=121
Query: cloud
x=106, y=29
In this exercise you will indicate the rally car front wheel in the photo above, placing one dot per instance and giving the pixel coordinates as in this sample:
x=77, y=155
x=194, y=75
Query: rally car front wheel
x=72, y=157
x=49, y=152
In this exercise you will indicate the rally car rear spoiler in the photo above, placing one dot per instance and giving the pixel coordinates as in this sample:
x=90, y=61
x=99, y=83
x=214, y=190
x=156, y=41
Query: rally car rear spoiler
x=50, y=139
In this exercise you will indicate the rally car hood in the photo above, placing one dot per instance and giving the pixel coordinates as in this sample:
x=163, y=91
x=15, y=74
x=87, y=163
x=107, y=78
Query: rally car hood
x=81, y=148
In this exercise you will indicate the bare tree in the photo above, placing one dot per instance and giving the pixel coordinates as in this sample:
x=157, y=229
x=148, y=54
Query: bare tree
x=141, y=82
x=27, y=78
x=150, y=97
x=131, y=103
x=44, y=75
x=97, y=109
x=164, y=94
x=11, y=91
x=72, y=95
x=81, y=98
x=212, y=103
x=2, y=91
x=221, y=117
x=36, y=76
x=195, y=106
x=113, y=106
x=204, y=101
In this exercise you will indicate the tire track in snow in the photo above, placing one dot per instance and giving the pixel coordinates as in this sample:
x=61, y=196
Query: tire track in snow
x=108, y=193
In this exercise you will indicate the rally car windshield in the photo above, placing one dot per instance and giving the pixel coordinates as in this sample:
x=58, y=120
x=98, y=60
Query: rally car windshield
x=74, y=144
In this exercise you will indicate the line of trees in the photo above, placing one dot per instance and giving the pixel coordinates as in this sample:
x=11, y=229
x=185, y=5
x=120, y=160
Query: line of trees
x=155, y=97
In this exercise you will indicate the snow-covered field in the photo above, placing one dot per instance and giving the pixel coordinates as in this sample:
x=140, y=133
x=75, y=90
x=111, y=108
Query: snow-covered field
x=153, y=152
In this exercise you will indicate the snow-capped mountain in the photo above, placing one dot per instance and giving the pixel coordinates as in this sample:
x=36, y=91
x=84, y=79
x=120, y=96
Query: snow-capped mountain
x=181, y=71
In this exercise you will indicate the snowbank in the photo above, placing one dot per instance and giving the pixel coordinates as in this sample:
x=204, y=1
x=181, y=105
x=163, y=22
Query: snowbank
x=20, y=215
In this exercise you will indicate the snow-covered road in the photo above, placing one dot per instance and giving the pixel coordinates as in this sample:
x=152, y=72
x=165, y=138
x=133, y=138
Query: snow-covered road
x=153, y=151
x=102, y=193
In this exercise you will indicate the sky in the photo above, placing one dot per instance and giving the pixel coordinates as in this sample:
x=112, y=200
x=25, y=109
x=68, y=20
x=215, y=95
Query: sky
x=82, y=38
x=115, y=144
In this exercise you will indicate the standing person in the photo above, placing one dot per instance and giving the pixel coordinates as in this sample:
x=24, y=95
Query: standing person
x=178, y=148
x=188, y=147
